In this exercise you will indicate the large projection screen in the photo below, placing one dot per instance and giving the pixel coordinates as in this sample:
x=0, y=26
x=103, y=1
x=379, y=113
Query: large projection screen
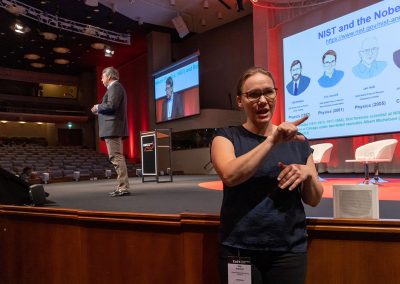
x=355, y=88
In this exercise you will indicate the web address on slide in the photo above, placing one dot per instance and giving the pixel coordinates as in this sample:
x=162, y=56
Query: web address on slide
x=363, y=30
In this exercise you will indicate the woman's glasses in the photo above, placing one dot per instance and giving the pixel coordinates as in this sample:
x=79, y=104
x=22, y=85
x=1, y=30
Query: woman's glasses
x=255, y=95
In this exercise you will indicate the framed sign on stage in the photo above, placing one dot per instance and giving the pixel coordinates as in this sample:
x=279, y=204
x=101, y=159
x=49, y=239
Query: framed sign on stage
x=156, y=155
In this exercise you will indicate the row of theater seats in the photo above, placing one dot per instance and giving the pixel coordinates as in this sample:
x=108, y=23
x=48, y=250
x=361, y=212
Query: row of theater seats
x=23, y=141
x=58, y=163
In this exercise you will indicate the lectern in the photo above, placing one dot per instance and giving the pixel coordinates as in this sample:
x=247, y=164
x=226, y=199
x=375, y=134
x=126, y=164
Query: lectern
x=156, y=155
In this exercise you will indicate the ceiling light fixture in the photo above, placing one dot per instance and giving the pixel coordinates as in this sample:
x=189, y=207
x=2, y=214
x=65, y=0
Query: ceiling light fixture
x=61, y=49
x=205, y=4
x=32, y=56
x=172, y=2
x=203, y=22
x=61, y=61
x=19, y=28
x=61, y=23
x=98, y=45
x=219, y=15
x=49, y=36
x=37, y=65
x=108, y=51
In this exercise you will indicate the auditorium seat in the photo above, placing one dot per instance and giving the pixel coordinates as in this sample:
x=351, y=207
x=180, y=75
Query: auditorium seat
x=85, y=173
x=99, y=173
x=321, y=154
x=56, y=174
x=68, y=173
x=374, y=153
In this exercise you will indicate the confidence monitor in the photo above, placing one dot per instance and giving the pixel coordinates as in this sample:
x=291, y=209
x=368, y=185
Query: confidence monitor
x=344, y=73
x=176, y=90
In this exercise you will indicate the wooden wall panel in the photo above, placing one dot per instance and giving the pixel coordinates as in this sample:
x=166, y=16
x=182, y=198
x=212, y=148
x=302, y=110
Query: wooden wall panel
x=131, y=254
x=353, y=251
x=42, y=251
x=48, y=245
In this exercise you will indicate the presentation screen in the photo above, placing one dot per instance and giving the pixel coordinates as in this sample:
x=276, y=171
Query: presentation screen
x=176, y=89
x=345, y=74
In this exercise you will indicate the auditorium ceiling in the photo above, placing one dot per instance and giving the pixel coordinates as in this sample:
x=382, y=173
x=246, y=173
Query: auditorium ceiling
x=70, y=36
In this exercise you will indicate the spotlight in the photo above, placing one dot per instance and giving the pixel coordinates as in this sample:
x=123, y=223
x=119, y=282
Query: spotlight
x=108, y=51
x=19, y=28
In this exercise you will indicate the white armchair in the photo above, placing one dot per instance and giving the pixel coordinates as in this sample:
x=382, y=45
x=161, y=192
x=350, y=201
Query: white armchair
x=321, y=154
x=374, y=153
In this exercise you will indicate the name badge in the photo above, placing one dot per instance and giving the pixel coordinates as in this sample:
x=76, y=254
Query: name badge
x=239, y=270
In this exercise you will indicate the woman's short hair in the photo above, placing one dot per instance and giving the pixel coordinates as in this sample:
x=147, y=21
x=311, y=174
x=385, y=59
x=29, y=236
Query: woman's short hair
x=250, y=72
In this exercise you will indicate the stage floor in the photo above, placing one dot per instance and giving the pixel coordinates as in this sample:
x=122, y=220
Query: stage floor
x=191, y=193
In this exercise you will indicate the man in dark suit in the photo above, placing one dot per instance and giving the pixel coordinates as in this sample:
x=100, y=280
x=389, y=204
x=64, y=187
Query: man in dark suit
x=299, y=82
x=113, y=126
x=172, y=106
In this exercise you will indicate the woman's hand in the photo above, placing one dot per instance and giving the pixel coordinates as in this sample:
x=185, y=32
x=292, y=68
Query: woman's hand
x=287, y=131
x=292, y=175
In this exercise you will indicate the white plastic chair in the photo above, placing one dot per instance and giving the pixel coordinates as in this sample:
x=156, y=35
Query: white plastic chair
x=322, y=154
x=374, y=153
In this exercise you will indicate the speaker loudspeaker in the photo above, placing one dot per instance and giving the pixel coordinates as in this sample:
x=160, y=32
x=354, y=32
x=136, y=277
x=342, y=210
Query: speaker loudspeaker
x=180, y=26
x=13, y=190
x=356, y=201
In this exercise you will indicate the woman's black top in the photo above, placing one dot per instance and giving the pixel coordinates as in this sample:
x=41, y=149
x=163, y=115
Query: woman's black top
x=257, y=214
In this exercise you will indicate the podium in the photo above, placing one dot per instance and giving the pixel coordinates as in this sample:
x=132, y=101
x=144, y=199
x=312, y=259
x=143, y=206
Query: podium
x=156, y=155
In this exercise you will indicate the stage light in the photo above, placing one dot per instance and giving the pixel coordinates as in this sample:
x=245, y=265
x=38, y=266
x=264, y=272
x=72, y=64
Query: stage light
x=205, y=4
x=108, y=51
x=19, y=28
